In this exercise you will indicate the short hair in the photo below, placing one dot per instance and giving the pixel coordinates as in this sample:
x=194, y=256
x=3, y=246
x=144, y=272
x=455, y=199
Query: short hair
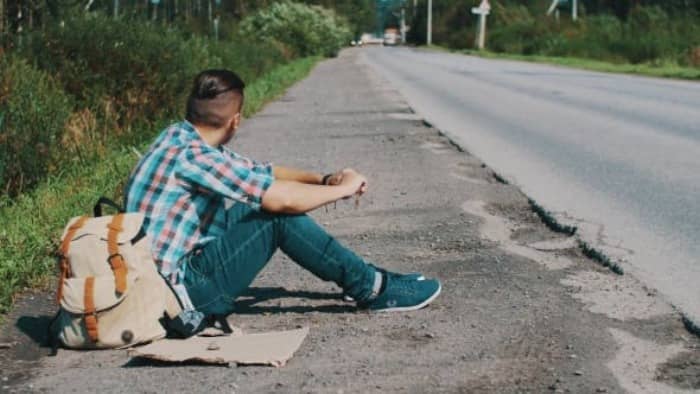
x=213, y=93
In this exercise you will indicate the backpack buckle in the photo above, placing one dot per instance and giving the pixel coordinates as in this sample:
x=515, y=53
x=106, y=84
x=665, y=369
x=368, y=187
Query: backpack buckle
x=113, y=256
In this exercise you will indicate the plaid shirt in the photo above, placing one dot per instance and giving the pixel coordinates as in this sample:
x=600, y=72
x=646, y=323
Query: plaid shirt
x=180, y=185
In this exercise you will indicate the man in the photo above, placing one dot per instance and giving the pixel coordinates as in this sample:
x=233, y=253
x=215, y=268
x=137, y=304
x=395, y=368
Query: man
x=211, y=254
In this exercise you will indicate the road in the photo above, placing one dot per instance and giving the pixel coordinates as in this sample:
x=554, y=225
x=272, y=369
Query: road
x=521, y=311
x=618, y=155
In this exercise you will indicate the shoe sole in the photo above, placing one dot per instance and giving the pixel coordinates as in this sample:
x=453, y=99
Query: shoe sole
x=411, y=308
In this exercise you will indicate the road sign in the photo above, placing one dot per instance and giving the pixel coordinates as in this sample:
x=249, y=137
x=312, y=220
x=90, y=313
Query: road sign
x=485, y=5
x=483, y=9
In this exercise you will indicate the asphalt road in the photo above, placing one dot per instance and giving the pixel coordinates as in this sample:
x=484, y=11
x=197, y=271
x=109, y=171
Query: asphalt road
x=618, y=155
x=521, y=311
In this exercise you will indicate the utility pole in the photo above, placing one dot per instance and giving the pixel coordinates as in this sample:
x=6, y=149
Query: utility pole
x=116, y=9
x=155, y=3
x=430, y=22
x=482, y=10
x=403, y=25
x=2, y=23
x=554, y=8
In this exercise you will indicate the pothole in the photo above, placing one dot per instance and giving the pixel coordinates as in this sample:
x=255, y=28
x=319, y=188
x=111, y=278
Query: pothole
x=618, y=297
x=681, y=371
x=636, y=362
x=496, y=228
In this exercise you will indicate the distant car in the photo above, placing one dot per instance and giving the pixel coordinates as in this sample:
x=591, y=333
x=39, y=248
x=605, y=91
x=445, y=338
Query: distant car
x=369, y=39
x=391, y=39
x=391, y=36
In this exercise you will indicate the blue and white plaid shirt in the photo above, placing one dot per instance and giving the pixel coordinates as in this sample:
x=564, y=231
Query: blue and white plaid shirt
x=180, y=185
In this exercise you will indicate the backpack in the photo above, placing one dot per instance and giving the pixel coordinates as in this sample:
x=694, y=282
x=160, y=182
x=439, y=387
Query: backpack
x=110, y=293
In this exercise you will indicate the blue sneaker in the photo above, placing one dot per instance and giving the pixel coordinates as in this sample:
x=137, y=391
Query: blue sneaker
x=404, y=295
x=394, y=275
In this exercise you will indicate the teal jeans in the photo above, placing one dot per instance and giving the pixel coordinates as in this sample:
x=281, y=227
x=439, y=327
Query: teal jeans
x=223, y=269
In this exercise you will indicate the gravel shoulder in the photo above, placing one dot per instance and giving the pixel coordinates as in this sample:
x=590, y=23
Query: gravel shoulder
x=522, y=310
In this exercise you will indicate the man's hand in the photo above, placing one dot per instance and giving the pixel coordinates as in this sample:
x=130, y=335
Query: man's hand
x=353, y=181
x=335, y=179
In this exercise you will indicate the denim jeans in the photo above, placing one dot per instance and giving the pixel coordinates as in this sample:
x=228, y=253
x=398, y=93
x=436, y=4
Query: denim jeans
x=224, y=268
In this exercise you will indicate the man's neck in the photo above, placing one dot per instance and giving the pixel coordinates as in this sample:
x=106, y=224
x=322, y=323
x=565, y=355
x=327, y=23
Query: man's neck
x=210, y=135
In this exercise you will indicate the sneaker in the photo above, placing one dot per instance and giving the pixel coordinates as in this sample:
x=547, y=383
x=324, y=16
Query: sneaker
x=389, y=274
x=404, y=295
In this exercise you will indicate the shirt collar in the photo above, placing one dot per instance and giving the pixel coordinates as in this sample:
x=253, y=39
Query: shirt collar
x=191, y=131
x=189, y=127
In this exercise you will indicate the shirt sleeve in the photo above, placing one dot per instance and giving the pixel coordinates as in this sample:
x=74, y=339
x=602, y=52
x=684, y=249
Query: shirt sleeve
x=250, y=163
x=209, y=170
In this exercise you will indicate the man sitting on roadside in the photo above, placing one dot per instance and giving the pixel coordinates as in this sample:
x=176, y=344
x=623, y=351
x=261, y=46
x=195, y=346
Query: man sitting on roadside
x=211, y=254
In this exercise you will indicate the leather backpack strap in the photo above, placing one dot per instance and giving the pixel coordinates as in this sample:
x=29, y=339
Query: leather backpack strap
x=116, y=260
x=63, y=255
x=90, y=312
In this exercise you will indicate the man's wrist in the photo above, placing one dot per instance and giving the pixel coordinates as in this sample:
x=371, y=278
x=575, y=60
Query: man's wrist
x=325, y=178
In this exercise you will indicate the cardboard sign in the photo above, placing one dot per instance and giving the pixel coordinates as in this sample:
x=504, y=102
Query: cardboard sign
x=270, y=348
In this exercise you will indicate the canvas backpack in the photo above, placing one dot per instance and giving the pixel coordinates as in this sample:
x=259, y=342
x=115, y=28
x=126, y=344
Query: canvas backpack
x=110, y=293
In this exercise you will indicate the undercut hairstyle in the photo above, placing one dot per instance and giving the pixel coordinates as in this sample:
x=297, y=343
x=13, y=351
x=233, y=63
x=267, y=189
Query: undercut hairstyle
x=216, y=95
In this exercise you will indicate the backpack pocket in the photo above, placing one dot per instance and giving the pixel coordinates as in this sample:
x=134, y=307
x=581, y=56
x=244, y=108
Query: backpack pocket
x=108, y=319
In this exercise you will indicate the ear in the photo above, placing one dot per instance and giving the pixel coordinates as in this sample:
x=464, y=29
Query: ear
x=236, y=120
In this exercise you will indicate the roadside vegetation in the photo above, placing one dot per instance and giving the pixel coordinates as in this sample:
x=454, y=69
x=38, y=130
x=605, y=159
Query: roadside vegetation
x=80, y=98
x=659, y=38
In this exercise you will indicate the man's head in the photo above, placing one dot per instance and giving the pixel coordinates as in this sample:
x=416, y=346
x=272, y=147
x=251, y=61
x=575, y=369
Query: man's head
x=215, y=102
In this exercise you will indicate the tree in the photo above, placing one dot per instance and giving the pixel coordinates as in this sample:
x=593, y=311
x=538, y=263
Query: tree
x=2, y=21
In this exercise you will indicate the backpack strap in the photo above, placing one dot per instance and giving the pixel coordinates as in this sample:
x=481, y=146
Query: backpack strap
x=97, y=210
x=63, y=255
x=116, y=260
x=90, y=312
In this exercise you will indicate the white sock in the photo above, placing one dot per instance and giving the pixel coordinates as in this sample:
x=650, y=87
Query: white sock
x=378, y=281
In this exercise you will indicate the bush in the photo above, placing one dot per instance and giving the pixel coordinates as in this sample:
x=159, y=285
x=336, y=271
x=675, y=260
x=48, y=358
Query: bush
x=514, y=30
x=137, y=70
x=129, y=75
x=646, y=35
x=33, y=112
x=301, y=29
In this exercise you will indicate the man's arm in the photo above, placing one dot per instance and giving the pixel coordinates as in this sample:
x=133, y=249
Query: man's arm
x=285, y=196
x=293, y=174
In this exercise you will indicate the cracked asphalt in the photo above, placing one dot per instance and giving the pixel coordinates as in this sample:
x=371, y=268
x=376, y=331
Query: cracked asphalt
x=616, y=155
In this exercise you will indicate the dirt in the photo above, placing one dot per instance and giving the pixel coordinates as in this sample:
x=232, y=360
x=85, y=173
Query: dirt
x=522, y=310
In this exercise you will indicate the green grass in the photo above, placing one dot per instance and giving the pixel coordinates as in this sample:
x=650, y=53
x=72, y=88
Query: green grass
x=31, y=225
x=660, y=69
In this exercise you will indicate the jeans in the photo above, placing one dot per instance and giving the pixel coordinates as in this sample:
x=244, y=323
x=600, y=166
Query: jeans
x=224, y=268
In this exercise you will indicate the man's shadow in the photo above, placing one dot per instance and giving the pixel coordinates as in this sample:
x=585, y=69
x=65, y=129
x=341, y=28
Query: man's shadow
x=247, y=303
x=37, y=327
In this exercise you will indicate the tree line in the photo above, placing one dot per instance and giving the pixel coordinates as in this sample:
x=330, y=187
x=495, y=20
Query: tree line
x=20, y=16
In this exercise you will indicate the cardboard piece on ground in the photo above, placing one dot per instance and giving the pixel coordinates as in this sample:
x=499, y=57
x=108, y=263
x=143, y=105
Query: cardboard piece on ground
x=270, y=348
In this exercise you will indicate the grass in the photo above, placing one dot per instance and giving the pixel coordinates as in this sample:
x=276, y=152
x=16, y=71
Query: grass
x=549, y=220
x=31, y=225
x=661, y=69
x=600, y=257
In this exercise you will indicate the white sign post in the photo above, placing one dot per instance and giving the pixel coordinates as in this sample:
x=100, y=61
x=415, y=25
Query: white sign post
x=482, y=10
x=430, y=23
